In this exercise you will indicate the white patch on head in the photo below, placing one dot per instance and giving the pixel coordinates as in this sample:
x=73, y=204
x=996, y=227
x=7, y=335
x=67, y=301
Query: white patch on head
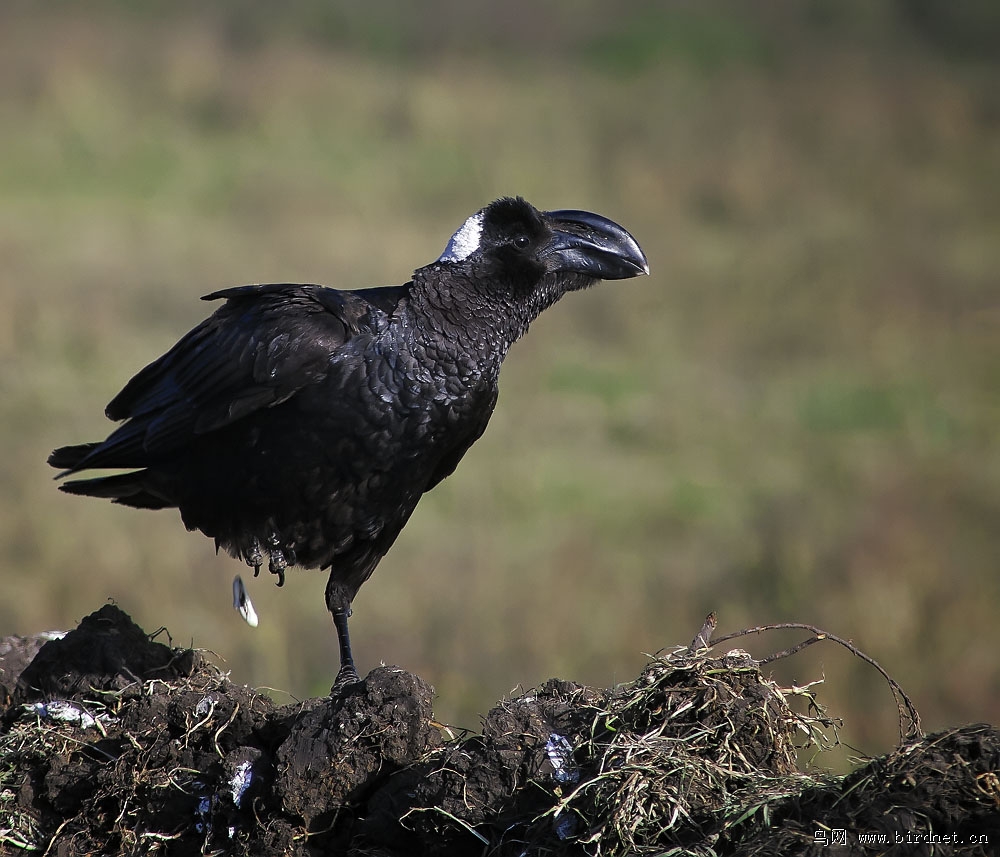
x=465, y=242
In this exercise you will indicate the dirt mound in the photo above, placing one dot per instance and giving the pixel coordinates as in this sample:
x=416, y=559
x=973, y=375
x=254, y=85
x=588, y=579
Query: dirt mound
x=114, y=743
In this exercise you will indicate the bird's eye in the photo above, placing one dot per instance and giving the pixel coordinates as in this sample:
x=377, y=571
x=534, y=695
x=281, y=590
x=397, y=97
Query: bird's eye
x=521, y=241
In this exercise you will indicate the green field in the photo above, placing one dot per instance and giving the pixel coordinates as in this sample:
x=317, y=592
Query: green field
x=796, y=417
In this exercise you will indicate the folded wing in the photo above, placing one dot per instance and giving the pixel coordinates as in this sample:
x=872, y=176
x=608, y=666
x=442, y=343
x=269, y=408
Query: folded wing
x=259, y=349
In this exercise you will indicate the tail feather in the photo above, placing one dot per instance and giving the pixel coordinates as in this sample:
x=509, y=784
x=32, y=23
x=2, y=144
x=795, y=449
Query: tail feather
x=69, y=458
x=129, y=489
x=123, y=448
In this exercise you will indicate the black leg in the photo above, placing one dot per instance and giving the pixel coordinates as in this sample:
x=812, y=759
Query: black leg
x=347, y=674
x=338, y=602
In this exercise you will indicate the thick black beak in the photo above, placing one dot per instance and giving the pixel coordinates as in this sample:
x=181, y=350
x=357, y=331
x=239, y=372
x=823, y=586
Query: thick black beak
x=586, y=243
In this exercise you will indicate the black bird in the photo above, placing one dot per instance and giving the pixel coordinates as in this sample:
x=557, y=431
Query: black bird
x=304, y=423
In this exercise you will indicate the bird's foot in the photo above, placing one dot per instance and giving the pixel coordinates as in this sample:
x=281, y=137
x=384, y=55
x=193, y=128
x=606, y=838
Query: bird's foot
x=277, y=566
x=347, y=676
x=254, y=557
x=281, y=558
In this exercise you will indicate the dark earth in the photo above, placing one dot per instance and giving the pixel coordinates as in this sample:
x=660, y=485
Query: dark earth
x=114, y=743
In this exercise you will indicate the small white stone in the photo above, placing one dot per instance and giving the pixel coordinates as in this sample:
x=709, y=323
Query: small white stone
x=241, y=781
x=204, y=706
x=560, y=753
x=64, y=712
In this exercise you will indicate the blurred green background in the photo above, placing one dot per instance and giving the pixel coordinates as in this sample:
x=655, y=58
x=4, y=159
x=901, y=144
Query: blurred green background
x=794, y=418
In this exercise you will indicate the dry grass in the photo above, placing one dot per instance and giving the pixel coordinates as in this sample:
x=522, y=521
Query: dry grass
x=697, y=746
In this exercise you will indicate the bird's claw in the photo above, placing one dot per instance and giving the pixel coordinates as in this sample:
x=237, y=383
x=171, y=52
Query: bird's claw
x=277, y=565
x=281, y=558
x=254, y=558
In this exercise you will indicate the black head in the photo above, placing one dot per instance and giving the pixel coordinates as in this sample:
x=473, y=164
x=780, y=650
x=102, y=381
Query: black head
x=510, y=237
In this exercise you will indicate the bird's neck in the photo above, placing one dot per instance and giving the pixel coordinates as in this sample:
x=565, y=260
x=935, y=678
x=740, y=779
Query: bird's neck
x=455, y=315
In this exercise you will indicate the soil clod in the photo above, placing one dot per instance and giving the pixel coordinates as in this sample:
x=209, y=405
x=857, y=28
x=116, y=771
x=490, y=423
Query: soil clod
x=111, y=742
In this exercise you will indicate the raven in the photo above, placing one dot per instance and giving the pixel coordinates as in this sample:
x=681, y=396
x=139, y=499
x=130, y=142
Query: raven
x=304, y=423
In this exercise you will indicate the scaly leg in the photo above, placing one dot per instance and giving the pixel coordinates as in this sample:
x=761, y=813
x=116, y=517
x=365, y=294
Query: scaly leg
x=338, y=601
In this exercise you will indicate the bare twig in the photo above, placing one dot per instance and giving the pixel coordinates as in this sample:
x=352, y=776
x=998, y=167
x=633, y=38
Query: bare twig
x=909, y=719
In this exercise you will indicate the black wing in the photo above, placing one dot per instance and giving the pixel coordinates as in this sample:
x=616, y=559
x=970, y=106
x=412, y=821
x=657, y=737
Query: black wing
x=259, y=349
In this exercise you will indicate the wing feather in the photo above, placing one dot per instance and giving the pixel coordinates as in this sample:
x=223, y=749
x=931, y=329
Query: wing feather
x=262, y=346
